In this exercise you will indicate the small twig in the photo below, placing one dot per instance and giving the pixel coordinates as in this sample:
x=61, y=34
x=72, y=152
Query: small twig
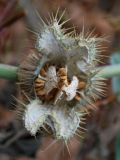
x=106, y=101
x=8, y=9
x=115, y=22
x=31, y=16
x=14, y=138
x=13, y=19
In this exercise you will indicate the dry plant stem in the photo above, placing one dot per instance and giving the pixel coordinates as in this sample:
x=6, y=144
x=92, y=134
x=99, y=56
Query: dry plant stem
x=29, y=10
x=10, y=72
x=12, y=19
x=115, y=22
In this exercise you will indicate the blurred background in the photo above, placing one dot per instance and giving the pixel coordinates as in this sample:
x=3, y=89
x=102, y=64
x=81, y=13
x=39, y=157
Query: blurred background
x=102, y=138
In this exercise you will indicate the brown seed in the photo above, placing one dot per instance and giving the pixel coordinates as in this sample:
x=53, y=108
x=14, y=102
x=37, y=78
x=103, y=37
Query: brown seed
x=42, y=72
x=81, y=85
x=41, y=92
x=38, y=80
x=63, y=77
x=39, y=88
x=77, y=97
x=62, y=72
x=39, y=84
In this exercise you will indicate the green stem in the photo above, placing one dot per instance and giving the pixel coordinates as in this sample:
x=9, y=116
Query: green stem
x=110, y=71
x=10, y=72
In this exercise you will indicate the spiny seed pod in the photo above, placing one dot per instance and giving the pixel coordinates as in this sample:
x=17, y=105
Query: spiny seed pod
x=60, y=79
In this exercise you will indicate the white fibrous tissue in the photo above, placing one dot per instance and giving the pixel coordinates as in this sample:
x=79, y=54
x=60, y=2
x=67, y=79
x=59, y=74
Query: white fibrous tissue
x=52, y=79
x=34, y=116
x=71, y=89
x=64, y=124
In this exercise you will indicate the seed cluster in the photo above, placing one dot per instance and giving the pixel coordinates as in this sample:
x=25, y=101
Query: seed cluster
x=57, y=85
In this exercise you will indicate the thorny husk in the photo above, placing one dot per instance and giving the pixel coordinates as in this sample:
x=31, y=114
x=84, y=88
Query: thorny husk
x=59, y=80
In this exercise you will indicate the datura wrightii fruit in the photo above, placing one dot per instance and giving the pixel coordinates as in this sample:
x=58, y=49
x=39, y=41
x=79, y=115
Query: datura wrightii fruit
x=59, y=79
